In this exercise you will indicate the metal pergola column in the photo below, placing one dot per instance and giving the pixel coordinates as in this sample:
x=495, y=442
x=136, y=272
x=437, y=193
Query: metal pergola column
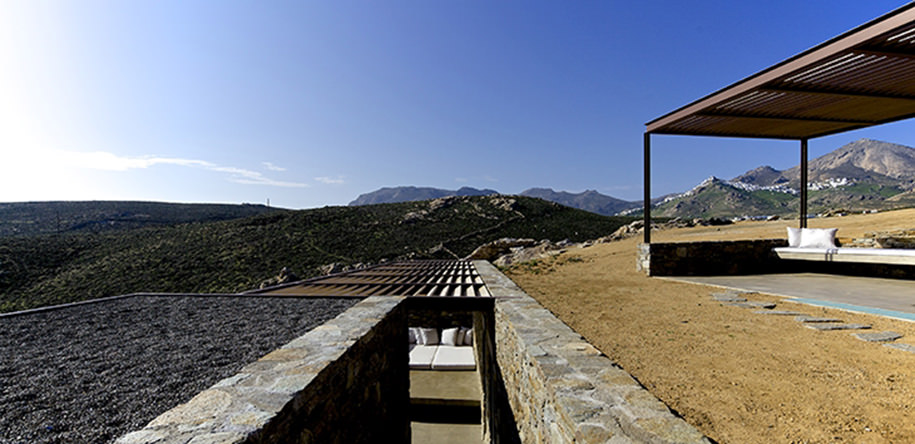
x=803, y=210
x=647, y=187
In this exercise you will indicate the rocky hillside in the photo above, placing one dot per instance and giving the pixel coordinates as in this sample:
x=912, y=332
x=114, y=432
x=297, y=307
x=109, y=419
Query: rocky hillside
x=862, y=175
x=864, y=160
x=237, y=255
x=35, y=218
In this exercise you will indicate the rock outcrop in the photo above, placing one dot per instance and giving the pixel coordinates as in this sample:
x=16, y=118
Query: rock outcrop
x=286, y=276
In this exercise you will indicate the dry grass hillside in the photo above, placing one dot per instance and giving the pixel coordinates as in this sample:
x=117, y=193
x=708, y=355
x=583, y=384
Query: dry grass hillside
x=738, y=376
x=850, y=227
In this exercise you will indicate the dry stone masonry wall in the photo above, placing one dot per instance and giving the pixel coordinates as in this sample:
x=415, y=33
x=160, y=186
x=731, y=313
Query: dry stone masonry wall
x=345, y=381
x=711, y=258
x=561, y=389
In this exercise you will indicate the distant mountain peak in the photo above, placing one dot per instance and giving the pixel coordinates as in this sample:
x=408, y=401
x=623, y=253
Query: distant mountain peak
x=589, y=200
x=412, y=193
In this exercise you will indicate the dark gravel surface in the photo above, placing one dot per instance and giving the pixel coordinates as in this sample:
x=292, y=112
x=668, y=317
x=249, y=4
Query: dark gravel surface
x=91, y=373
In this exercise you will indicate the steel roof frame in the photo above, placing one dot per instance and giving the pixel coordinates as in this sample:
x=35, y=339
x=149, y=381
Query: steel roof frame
x=861, y=78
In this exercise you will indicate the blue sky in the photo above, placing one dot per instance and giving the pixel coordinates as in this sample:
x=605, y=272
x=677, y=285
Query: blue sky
x=311, y=103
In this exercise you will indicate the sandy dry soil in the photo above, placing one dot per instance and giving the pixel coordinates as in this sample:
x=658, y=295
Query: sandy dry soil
x=739, y=377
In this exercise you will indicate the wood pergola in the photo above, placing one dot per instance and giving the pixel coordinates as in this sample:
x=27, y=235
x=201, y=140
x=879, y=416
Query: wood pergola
x=861, y=78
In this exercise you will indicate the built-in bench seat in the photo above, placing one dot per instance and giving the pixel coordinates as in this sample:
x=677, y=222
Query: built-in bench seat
x=890, y=256
x=445, y=349
x=442, y=357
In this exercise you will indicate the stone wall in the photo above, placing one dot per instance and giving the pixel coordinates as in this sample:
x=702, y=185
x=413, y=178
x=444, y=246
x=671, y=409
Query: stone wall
x=557, y=387
x=711, y=258
x=345, y=381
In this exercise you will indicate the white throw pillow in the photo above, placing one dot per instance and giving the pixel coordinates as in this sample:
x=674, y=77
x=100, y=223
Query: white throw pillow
x=428, y=336
x=461, y=334
x=794, y=237
x=468, y=337
x=449, y=336
x=818, y=238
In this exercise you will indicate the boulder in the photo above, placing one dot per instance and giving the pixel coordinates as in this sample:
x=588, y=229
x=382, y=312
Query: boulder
x=286, y=275
x=492, y=250
x=541, y=250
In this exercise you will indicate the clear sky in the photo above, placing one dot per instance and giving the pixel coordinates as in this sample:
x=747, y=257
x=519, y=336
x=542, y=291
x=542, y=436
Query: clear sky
x=311, y=103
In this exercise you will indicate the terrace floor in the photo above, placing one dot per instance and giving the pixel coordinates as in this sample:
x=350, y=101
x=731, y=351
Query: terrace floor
x=893, y=298
x=446, y=406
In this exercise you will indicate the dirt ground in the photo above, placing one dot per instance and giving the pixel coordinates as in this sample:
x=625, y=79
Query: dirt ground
x=739, y=377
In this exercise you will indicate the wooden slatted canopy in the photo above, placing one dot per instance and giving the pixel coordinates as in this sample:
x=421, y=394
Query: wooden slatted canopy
x=861, y=78
x=430, y=278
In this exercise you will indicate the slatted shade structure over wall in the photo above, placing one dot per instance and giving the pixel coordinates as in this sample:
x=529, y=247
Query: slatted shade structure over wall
x=862, y=78
x=435, y=278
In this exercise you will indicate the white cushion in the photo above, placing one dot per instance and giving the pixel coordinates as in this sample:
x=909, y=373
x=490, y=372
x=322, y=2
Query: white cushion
x=449, y=357
x=450, y=336
x=794, y=237
x=421, y=356
x=427, y=336
x=818, y=238
x=468, y=336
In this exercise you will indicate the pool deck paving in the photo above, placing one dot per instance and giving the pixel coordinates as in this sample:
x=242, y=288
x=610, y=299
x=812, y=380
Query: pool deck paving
x=893, y=298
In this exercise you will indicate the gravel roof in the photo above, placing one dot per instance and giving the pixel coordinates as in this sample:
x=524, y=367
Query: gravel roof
x=91, y=373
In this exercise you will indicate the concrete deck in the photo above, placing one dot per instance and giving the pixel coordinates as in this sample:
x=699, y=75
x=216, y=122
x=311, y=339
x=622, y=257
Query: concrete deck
x=432, y=433
x=893, y=298
x=445, y=398
x=453, y=387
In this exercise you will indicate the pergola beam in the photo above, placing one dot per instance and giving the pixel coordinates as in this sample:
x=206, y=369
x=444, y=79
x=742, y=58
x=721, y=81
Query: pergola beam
x=833, y=92
x=748, y=116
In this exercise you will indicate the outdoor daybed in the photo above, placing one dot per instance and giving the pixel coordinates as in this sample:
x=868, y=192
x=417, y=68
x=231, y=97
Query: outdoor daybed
x=811, y=244
x=454, y=351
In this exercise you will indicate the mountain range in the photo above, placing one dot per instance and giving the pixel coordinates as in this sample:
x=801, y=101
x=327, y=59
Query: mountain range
x=862, y=175
x=588, y=200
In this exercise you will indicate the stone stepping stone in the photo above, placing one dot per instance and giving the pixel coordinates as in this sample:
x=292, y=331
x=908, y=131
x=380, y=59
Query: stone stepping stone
x=766, y=305
x=728, y=297
x=825, y=326
x=880, y=336
x=904, y=347
x=777, y=312
x=806, y=319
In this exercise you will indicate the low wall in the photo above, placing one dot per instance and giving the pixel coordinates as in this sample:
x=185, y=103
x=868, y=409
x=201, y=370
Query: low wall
x=711, y=258
x=345, y=381
x=890, y=271
x=558, y=387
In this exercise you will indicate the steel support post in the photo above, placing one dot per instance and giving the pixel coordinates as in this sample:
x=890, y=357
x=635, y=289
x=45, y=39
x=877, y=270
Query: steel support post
x=647, y=187
x=803, y=211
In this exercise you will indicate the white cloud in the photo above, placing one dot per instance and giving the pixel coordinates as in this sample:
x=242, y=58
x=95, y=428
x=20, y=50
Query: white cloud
x=331, y=180
x=273, y=167
x=100, y=160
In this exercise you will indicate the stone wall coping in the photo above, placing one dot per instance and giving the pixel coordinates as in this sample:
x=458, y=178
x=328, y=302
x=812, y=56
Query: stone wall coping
x=237, y=406
x=594, y=400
